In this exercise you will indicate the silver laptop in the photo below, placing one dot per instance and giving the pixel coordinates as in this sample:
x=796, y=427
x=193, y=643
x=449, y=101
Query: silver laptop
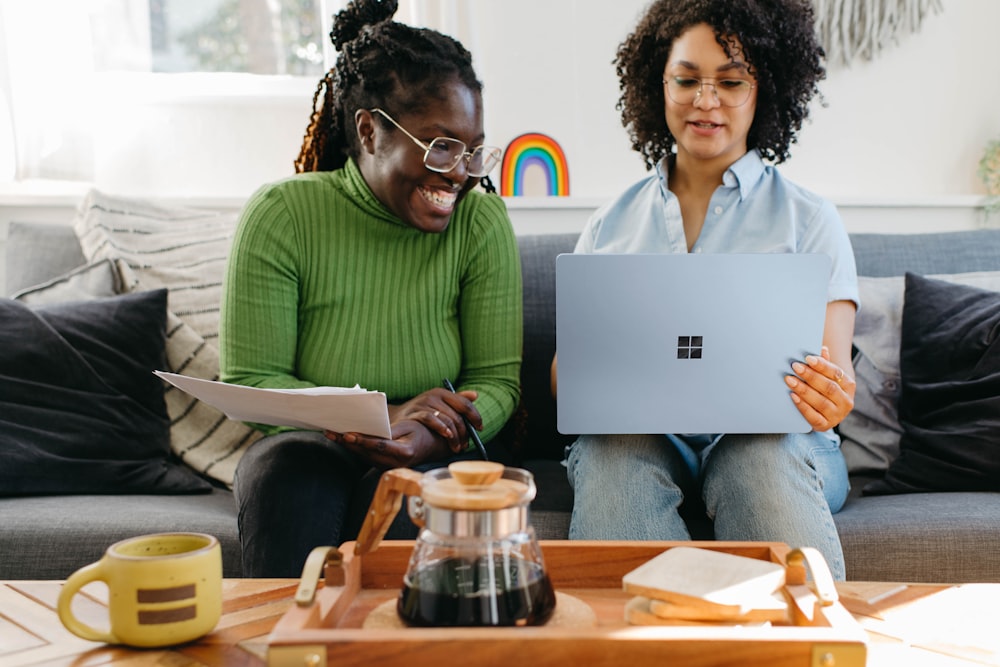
x=694, y=343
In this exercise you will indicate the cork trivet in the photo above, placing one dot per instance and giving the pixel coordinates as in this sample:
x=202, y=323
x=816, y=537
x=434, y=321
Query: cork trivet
x=571, y=612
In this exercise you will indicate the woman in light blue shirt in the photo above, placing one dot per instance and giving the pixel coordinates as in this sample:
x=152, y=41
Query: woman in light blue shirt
x=712, y=92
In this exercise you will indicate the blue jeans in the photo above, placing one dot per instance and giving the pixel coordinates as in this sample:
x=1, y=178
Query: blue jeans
x=298, y=490
x=775, y=488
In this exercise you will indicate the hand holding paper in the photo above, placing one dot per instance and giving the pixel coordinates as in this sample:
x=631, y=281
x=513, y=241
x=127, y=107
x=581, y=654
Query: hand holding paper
x=340, y=409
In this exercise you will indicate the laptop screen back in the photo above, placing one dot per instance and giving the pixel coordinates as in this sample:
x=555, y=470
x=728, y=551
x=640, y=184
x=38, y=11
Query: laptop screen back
x=685, y=343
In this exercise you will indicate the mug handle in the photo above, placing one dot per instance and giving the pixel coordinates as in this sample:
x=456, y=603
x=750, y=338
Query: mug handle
x=76, y=581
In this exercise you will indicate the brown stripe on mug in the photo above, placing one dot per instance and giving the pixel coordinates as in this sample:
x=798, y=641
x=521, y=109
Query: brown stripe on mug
x=171, y=594
x=160, y=616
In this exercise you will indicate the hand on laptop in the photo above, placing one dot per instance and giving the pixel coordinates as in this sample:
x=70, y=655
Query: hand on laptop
x=822, y=390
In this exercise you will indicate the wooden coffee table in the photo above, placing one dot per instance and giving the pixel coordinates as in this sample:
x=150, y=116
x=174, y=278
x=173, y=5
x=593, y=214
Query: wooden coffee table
x=916, y=624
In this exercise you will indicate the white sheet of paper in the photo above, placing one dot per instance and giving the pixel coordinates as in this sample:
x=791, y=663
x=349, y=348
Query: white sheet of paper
x=340, y=409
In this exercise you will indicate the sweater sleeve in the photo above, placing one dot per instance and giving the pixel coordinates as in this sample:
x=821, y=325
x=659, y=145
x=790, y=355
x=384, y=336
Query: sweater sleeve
x=491, y=317
x=258, y=327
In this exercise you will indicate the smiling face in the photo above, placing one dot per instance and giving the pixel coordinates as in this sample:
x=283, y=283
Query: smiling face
x=392, y=163
x=705, y=129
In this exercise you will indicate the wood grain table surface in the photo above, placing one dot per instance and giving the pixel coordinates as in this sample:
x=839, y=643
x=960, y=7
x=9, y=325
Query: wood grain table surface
x=915, y=624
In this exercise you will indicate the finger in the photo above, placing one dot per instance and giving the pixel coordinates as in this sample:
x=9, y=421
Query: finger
x=378, y=451
x=822, y=409
x=843, y=380
x=816, y=419
x=439, y=422
x=462, y=404
x=820, y=401
x=823, y=376
x=453, y=428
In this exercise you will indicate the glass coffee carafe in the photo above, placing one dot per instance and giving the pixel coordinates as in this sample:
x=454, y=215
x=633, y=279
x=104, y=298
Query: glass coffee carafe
x=476, y=561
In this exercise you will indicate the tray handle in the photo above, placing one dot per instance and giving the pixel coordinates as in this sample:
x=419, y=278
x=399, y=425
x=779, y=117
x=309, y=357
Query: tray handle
x=326, y=562
x=823, y=586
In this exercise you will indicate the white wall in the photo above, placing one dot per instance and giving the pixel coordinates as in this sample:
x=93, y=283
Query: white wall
x=896, y=148
x=912, y=123
x=915, y=121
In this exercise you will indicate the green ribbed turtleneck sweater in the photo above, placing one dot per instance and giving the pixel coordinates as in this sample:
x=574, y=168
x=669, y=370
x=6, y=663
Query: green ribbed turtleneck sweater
x=325, y=286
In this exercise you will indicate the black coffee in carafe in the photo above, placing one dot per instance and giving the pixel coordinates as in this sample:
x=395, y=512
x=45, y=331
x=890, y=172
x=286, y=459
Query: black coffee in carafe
x=476, y=561
x=477, y=592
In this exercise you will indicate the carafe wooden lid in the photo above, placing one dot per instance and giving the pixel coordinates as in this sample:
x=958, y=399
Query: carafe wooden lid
x=475, y=485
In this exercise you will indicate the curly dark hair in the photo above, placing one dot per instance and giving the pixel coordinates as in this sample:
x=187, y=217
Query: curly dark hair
x=779, y=45
x=381, y=63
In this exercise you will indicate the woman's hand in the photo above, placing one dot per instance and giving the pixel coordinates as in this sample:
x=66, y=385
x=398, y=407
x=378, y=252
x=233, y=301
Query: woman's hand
x=412, y=443
x=442, y=411
x=428, y=427
x=822, y=390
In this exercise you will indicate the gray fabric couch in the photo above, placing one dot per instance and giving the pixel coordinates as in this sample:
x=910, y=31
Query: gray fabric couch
x=932, y=537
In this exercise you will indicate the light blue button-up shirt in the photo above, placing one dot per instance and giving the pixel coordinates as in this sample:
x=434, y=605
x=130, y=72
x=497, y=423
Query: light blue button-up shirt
x=755, y=210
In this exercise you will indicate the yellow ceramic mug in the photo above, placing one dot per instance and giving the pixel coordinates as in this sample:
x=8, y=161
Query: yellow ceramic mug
x=163, y=589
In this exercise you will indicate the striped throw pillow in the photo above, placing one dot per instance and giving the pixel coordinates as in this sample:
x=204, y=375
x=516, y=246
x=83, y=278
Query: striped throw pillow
x=184, y=250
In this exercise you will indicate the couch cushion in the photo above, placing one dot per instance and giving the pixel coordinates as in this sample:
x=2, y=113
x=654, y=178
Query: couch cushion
x=949, y=403
x=922, y=537
x=895, y=254
x=871, y=432
x=37, y=252
x=49, y=537
x=183, y=250
x=85, y=282
x=80, y=410
x=538, y=268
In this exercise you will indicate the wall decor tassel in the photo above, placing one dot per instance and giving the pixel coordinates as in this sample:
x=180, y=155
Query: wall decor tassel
x=851, y=29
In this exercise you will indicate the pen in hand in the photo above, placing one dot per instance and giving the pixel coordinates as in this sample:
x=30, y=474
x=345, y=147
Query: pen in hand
x=468, y=426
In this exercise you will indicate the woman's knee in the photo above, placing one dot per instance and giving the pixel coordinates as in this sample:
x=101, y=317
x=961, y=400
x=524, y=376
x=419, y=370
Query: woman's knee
x=751, y=464
x=615, y=448
x=293, y=455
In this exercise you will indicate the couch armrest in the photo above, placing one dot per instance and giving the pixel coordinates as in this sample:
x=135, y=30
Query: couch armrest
x=37, y=252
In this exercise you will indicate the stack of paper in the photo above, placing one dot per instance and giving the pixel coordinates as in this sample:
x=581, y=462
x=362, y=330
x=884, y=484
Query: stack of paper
x=690, y=585
x=340, y=409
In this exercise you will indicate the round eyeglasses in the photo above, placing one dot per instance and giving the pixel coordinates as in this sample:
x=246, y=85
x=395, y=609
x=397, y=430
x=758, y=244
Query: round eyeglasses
x=444, y=153
x=728, y=92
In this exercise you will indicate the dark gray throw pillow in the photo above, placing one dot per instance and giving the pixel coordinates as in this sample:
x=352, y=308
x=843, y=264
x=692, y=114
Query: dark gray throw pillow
x=949, y=405
x=80, y=409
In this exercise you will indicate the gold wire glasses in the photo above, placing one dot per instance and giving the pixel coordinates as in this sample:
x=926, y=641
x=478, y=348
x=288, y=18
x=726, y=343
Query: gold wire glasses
x=728, y=92
x=444, y=153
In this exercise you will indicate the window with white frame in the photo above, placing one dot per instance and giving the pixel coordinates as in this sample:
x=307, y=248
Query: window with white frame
x=85, y=84
x=63, y=62
x=253, y=36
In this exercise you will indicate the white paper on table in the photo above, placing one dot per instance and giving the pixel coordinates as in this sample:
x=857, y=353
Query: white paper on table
x=340, y=409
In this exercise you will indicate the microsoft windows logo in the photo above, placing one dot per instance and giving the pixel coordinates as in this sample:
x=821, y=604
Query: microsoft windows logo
x=689, y=347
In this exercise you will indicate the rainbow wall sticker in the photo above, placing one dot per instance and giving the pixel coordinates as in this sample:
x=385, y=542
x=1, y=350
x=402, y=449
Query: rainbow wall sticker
x=534, y=163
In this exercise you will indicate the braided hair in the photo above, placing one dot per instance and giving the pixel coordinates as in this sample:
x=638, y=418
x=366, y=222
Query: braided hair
x=779, y=45
x=381, y=63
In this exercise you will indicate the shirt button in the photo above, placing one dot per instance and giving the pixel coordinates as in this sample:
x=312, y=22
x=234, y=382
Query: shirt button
x=718, y=210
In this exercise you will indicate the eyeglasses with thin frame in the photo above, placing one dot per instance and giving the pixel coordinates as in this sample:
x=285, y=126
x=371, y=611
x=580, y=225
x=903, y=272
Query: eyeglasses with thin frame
x=443, y=154
x=728, y=92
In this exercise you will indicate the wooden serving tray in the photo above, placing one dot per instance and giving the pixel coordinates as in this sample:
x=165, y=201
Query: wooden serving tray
x=325, y=627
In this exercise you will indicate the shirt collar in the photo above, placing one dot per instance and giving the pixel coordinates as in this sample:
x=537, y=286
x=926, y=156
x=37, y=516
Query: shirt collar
x=745, y=173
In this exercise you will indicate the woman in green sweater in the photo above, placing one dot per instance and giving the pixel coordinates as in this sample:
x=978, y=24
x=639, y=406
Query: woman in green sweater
x=377, y=264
